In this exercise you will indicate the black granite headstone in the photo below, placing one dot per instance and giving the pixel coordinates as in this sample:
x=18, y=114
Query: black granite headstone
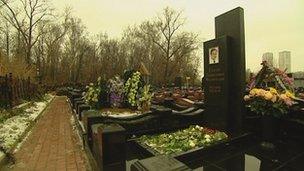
x=82, y=108
x=109, y=146
x=217, y=79
x=224, y=70
x=78, y=103
x=89, y=118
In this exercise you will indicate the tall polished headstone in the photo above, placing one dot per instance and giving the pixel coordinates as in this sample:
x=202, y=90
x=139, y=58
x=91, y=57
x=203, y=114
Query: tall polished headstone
x=224, y=71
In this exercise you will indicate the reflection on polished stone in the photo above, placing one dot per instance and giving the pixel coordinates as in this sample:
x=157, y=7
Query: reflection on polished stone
x=288, y=155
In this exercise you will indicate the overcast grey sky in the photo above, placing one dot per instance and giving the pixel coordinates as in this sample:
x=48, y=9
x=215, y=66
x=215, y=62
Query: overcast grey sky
x=270, y=25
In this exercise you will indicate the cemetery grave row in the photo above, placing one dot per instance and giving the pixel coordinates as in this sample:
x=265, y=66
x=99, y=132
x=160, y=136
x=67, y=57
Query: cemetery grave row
x=124, y=125
x=105, y=131
x=107, y=136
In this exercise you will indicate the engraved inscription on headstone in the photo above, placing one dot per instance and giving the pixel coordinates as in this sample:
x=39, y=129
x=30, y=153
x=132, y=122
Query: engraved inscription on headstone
x=216, y=82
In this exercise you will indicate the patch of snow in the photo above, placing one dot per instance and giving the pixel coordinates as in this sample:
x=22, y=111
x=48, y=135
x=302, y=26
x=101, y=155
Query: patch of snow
x=120, y=115
x=13, y=128
x=73, y=123
x=21, y=105
x=20, y=144
x=75, y=130
x=123, y=115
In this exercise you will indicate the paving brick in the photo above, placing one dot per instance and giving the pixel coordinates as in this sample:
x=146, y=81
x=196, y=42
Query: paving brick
x=52, y=144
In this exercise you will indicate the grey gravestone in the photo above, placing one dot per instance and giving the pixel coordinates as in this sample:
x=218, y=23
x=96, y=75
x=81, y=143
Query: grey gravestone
x=224, y=71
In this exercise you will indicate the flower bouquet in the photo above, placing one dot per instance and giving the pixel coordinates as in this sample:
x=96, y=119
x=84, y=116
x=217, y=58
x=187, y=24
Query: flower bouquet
x=131, y=88
x=92, y=94
x=116, y=91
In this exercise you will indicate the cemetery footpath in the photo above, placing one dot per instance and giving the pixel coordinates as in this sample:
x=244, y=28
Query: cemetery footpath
x=52, y=144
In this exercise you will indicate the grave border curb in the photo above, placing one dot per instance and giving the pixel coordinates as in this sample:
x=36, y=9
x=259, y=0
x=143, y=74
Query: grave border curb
x=80, y=135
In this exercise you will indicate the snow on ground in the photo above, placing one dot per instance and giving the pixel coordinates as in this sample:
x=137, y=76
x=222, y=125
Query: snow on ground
x=13, y=128
x=121, y=115
x=23, y=140
x=74, y=127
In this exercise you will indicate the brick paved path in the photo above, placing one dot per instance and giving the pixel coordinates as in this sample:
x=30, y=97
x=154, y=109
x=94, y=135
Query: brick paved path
x=52, y=145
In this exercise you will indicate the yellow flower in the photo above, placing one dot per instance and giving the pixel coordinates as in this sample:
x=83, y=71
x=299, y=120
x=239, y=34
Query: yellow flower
x=261, y=92
x=273, y=90
x=253, y=92
x=268, y=95
x=274, y=99
x=289, y=94
x=283, y=97
x=191, y=143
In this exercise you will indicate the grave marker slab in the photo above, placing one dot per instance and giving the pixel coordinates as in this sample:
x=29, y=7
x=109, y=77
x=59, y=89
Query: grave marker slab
x=217, y=80
x=224, y=71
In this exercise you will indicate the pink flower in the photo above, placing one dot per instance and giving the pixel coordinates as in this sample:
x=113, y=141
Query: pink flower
x=288, y=102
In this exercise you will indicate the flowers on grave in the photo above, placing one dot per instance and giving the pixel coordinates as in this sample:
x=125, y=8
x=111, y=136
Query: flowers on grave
x=270, y=92
x=183, y=140
x=131, y=88
x=116, y=91
x=270, y=76
x=144, y=102
x=92, y=94
x=269, y=101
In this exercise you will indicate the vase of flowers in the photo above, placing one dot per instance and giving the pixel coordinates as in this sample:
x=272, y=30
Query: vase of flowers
x=271, y=105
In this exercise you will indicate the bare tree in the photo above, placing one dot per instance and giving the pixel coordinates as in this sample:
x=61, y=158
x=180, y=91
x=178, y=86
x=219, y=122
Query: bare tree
x=25, y=16
x=165, y=33
x=5, y=30
x=64, y=51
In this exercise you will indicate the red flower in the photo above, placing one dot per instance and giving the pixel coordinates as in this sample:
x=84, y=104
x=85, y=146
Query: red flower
x=209, y=131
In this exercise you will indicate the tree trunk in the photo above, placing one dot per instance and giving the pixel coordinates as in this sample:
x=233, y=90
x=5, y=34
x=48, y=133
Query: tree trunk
x=166, y=71
x=7, y=43
x=79, y=68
